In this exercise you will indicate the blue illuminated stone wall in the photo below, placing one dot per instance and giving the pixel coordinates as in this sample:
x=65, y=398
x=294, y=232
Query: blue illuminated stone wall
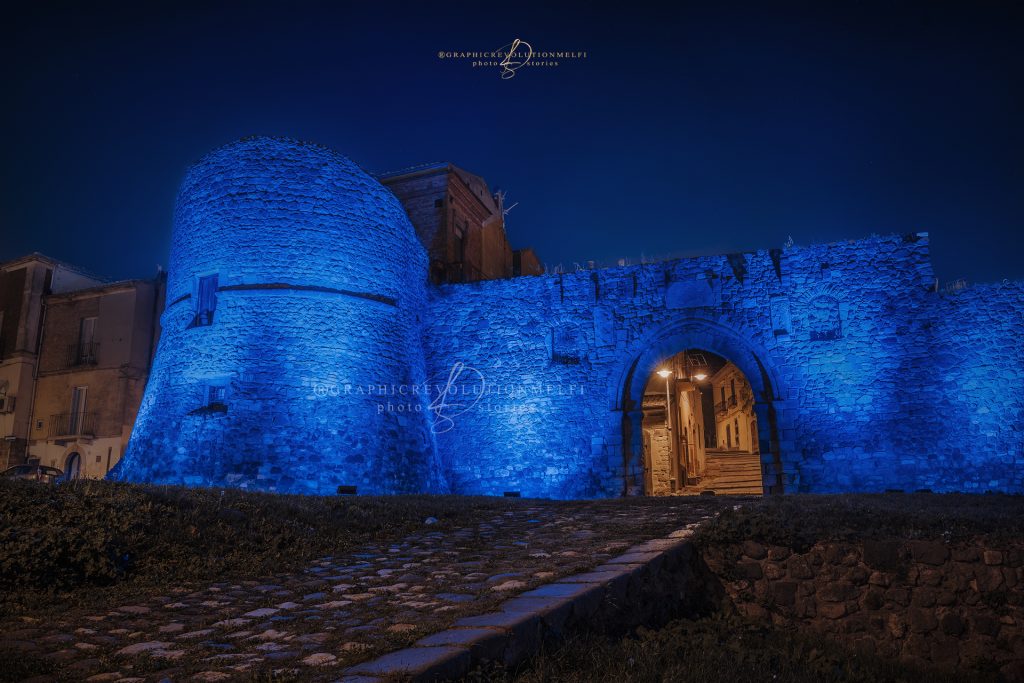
x=967, y=411
x=866, y=378
x=331, y=362
x=321, y=289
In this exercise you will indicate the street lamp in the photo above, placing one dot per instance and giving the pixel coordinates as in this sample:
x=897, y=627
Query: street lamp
x=665, y=373
x=700, y=377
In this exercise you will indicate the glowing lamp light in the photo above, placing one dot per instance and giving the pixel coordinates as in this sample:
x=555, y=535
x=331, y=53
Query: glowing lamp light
x=664, y=374
x=700, y=377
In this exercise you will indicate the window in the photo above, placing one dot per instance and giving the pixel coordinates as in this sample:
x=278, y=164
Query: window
x=76, y=416
x=206, y=300
x=732, y=387
x=86, y=342
x=217, y=394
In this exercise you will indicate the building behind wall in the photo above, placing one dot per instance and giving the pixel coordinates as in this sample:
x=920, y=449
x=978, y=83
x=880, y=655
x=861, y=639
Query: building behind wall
x=24, y=284
x=95, y=353
x=829, y=337
x=735, y=422
x=461, y=224
x=675, y=458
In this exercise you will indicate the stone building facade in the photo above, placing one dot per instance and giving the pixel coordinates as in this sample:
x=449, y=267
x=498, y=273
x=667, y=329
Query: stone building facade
x=735, y=422
x=461, y=223
x=674, y=449
x=24, y=285
x=304, y=350
x=95, y=353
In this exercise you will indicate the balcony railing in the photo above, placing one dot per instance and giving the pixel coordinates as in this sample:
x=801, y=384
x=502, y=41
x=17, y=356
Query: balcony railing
x=81, y=354
x=723, y=406
x=72, y=424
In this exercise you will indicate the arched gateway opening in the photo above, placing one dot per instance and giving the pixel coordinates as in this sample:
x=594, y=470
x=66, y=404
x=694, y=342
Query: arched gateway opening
x=681, y=351
x=693, y=409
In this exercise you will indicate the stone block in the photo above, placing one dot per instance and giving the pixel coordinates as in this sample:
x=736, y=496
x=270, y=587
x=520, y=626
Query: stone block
x=420, y=663
x=882, y=555
x=928, y=552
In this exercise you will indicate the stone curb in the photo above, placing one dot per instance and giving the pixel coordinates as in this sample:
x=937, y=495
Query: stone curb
x=644, y=582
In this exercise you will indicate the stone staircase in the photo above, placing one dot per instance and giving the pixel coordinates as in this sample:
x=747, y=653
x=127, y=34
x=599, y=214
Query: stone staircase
x=732, y=473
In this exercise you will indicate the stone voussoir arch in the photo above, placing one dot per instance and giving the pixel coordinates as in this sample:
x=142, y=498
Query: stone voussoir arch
x=665, y=340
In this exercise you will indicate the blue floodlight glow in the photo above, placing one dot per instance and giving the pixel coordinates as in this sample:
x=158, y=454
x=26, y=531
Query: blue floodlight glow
x=318, y=356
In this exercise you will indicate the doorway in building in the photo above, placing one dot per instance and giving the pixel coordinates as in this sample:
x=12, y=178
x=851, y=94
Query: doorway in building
x=73, y=466
x=693, y=405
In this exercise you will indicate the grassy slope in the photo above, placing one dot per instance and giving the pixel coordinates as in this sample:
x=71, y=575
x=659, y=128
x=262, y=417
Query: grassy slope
x=712, y=650
x=54, y=539
x=801, y=521
x=127, y=540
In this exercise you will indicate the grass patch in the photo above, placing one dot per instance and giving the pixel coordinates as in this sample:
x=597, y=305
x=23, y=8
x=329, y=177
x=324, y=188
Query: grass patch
x=801, y=521
x=59, y=539
x=717, y=649
x=92, y=543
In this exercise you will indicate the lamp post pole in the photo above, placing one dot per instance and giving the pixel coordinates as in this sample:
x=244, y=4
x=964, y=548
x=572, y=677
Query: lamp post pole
x=673, y=458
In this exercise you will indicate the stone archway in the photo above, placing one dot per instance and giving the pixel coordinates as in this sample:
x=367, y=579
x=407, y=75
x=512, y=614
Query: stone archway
x=755, y=362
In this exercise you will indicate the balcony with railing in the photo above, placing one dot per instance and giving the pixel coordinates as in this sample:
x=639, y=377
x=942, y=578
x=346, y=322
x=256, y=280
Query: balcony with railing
x=81, y=355
x=724, y=406
x=72, y=424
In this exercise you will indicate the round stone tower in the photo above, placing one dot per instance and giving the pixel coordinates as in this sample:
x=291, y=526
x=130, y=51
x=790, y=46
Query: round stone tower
x=290, y=357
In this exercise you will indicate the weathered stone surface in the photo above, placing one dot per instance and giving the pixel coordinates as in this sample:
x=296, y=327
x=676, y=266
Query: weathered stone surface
x=929, y=552
x=883, y=555
x=442, y=662
x=302, y=241
x=951, y=606
x=303, y=631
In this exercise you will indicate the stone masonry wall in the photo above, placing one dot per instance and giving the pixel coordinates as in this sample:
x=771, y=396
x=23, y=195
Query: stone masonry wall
x=959, y=605
x=973, y=407
x=319, y=302
x=341, y=366
x=852, y=355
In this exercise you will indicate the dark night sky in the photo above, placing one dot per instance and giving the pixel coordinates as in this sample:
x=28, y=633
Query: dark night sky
x=703, y=128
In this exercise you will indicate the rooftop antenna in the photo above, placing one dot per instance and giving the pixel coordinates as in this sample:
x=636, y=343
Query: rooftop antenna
x=500, y=194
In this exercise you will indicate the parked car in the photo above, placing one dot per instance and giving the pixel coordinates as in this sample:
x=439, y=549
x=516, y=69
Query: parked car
x=40, y=473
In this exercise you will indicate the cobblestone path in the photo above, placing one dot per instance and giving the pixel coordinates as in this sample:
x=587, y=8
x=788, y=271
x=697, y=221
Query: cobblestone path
x=343, y=609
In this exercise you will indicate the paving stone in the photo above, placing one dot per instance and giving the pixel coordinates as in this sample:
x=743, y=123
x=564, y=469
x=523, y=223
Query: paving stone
x=392, y=591
x=440, y=662
x=485, y=644
x=139, y=648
